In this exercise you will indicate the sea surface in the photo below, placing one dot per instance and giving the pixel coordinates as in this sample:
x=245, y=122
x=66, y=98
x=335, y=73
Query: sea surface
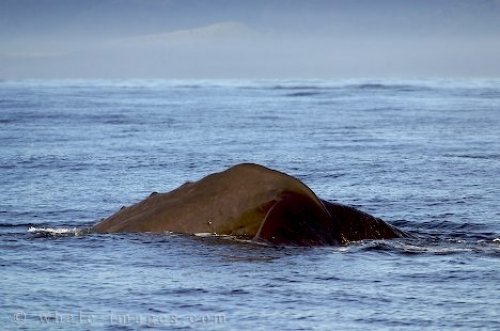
x=424, y=155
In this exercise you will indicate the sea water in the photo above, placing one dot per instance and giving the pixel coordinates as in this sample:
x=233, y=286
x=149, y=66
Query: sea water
x=424, y=155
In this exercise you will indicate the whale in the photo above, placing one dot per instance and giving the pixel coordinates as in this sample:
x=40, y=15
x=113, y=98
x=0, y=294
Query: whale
x=252, y=202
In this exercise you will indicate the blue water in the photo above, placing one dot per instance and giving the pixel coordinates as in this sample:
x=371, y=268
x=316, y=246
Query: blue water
x=423, y=155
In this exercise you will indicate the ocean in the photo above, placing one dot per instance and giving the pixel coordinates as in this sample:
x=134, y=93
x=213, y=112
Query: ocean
x=424, y=155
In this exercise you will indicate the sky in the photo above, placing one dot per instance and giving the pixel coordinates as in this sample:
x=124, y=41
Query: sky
x=237, y=39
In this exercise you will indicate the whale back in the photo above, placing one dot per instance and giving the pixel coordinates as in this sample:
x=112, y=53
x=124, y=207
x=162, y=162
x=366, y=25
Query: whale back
x=234, y=202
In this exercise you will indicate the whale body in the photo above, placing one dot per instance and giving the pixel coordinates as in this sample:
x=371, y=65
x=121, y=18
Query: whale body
x=249, y=201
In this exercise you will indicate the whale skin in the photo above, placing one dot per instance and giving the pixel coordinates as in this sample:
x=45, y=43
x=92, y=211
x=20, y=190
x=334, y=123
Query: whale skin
x=250, y=201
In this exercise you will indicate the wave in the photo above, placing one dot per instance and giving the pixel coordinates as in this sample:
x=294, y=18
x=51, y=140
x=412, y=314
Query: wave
x=15, y=225
x=59, y=231
x=344, y=85
x=281, y=87
x=490, y=94
x=426, y=246
x=296, y=87
x=300, y=90
x=6, y=121
x=441, y=225
x=475, y=156
x=303, y=94
x=391, y=86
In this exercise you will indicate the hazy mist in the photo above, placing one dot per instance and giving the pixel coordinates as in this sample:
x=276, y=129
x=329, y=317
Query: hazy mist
x=249, y=39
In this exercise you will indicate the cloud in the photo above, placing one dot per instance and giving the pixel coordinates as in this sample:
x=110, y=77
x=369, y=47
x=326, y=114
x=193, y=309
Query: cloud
x=222, y=31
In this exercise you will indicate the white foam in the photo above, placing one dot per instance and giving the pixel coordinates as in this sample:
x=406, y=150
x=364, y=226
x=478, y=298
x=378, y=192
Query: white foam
x=496, y=240
x=54, y=231
x=205, y=234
